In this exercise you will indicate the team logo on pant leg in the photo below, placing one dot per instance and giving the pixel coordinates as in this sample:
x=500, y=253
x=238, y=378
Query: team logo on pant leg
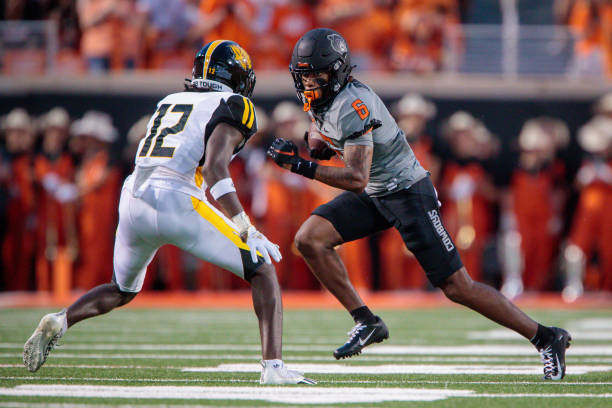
x=437, y=223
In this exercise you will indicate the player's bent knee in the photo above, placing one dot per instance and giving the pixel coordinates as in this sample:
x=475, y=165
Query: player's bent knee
x=124, y=297
x=305, y=242
x=315, y=236
x=457, y=286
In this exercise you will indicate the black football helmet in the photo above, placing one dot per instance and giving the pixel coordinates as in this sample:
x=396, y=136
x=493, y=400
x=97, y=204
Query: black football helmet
x=320, y=50
x=222, y=65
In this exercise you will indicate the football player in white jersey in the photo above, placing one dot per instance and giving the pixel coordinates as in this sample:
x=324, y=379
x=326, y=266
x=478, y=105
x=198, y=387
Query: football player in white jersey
x=190, y=141
x=385, y=187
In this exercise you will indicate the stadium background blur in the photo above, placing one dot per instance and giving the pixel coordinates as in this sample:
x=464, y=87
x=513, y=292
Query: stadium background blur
x=504, y=102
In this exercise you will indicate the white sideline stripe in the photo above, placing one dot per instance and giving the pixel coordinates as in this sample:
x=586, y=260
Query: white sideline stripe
x=205, y=380
x=290, y=395
x=505, y=334
x=403, y=369
x=465, y=350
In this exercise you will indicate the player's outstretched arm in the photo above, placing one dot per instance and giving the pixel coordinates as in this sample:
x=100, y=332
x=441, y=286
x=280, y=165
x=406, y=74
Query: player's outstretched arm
x=353, y=177
x=219, y=150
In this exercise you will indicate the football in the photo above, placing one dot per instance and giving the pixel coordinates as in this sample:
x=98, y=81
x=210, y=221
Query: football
x=315, y=140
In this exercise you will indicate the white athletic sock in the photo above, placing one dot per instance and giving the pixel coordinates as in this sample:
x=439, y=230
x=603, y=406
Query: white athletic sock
x=273, y=363
x=64, y=321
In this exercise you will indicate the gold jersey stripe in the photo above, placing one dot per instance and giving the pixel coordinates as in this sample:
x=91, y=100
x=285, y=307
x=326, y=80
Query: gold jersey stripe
x=218, y=222
x=209, y=52
x=247, y=110
x=250, y=124
x=199, y=179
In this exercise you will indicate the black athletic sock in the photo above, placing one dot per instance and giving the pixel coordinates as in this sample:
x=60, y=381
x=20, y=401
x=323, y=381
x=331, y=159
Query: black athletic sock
x=543, y=337
x=363, y=314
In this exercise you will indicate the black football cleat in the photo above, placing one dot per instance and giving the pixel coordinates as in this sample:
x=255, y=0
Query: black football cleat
x=553, y=355
x=362, y=335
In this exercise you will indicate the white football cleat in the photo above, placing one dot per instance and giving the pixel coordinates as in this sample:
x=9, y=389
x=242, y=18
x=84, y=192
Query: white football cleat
x=274, y=372
x=43, y=340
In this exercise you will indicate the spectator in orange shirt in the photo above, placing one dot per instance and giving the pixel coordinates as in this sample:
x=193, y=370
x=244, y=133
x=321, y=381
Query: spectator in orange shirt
x=20, y=228
x=591, y=230
x=97, y=187
x=591, y=22
x=231, y=20
x=421, y=28
x=57, y=242
x=100, y=32
x=531, y=217
x=173, y=32
x=367, y=25
x=288, y=20
x=64, y=14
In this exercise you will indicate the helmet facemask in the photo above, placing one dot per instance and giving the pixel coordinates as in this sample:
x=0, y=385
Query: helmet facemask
x=314, y=96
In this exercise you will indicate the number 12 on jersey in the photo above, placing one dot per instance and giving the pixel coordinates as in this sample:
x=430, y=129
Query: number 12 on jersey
x=159, y=150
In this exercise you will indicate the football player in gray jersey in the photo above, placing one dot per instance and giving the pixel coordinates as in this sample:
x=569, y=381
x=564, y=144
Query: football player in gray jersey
x=385, y=187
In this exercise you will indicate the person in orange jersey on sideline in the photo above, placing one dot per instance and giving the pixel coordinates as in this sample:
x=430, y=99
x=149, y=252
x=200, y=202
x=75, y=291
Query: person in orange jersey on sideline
x=97, y=188
x=57, y=243
x=532, y=208
x=467, y=190
x=20, y=229
x=591, y=230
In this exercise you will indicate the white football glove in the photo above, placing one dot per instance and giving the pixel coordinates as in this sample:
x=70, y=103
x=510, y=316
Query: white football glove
x=258, y=242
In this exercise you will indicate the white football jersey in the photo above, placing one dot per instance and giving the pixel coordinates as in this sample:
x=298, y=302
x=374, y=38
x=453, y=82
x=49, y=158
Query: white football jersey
x=174, y=148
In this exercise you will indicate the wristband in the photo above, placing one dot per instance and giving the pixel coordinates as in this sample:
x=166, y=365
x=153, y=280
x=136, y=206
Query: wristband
x=243, y=223
x=222, y=187
x=304, y=167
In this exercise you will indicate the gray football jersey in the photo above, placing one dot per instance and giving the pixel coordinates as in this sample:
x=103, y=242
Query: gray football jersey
x=357, y=116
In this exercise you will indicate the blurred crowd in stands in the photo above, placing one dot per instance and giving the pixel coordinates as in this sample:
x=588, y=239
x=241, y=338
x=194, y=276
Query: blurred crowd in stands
x=60, y=182
x=388, y=35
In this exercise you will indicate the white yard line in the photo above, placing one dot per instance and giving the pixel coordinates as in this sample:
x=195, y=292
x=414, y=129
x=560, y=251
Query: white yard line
x=405, y=369
x=280, y=394
x=290, y=394
x=398, y=382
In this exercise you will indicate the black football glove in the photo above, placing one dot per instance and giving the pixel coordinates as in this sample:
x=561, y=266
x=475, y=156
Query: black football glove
x=286, y=152
x=319, y=154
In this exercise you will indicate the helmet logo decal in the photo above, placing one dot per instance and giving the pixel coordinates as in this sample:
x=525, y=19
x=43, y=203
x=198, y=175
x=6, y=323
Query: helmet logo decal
x=241, y=56
x=338, y=43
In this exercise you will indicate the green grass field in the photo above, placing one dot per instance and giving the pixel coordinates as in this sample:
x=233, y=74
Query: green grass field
x=434, y=358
